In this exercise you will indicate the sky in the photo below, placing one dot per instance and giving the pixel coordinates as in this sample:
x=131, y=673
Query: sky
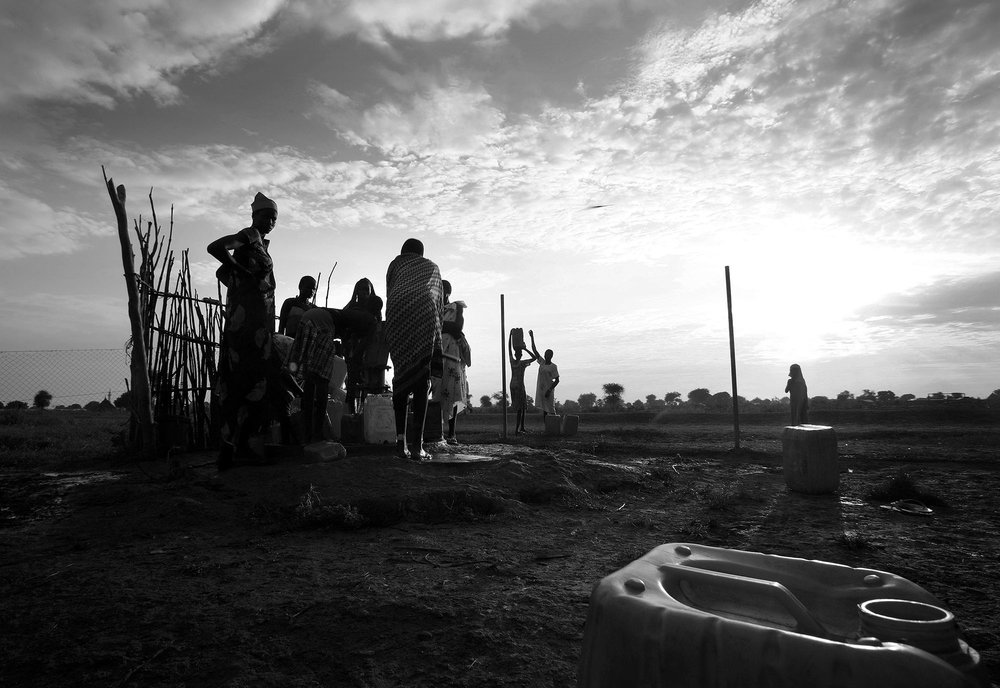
x=596, y=164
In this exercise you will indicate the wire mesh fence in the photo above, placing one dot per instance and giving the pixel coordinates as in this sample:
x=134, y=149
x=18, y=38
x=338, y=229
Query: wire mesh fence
x=71, y=376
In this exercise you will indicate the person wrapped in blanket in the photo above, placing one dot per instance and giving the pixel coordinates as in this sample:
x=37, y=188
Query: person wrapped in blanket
x=242, y=385
x=452, y=390
x=414, y=308
x=313, y=356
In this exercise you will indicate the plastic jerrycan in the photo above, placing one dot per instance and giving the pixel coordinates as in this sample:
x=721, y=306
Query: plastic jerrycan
x=693, y=616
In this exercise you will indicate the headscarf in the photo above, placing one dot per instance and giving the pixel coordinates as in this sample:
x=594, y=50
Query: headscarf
x=262, y=202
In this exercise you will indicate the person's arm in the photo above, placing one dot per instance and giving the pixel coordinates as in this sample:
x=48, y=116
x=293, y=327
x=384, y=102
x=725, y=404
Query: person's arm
x=220, y=250
x=283, y=316
x=534, y=349
x=510, y=347
x=552, y=388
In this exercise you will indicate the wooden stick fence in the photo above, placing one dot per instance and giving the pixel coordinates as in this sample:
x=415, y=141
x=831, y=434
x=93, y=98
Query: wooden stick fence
x=181, y=332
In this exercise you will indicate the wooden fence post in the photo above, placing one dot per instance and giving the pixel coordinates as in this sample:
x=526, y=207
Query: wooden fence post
x=141, y=399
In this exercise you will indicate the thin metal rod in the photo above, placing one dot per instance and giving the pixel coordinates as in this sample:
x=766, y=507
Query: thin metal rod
x=503, y=367
x=732, y=362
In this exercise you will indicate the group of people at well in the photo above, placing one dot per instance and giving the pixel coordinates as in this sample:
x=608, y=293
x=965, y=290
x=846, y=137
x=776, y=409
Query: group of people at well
x=316, y=349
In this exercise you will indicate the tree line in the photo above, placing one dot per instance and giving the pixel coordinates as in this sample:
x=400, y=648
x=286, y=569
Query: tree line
x=702, y=399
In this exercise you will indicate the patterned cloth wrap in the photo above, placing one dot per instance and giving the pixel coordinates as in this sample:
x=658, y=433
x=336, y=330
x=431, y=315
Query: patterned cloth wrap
x=453, y=387
x=413, y=312
x=315, y=348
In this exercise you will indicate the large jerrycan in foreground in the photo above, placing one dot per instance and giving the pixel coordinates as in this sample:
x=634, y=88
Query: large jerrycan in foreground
x=692, y=616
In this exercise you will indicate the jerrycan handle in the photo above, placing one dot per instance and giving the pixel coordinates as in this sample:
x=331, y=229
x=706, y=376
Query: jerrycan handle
x=673, y=574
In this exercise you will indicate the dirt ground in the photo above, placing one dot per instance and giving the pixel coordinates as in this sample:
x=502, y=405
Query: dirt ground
x=373, y=572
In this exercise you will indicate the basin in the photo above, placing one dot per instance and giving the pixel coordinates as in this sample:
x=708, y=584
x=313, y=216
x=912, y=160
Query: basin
x=693, y=616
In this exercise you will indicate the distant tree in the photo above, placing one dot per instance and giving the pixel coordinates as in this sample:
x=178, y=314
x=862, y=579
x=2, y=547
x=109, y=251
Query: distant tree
x=570, y=406
x=92, y=406
x=699, y=396
x=124, y=400
x=867, y=395
x=485, y=401
x=17, y=405
x=637, y=405
x=672, y=398
x=613, y=395
x=74, y=407
x=42, y=399
x=886, y=396
x=654, y=404
x=994, y=398
x=820, y=402
x=529, y=402
x=499, y=397
x=907, y=398
x=845, y=396
x=587, y=401
x=721, y=401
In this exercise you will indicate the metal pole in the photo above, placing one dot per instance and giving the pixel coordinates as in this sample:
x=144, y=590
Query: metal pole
x=732, y=362
x=503, y=368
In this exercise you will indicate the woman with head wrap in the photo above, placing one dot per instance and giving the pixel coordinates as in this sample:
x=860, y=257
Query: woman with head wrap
x=799, y=395
x=414, y=305
x=248, y=274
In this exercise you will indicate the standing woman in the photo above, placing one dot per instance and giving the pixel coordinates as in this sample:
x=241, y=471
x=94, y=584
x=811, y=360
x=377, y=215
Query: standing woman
x=799, y=395
x=248, y=274
x=452, y=391
x=548, y=378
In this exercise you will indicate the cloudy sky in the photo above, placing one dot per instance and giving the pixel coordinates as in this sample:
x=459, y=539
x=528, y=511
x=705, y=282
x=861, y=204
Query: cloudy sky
x=598, y=163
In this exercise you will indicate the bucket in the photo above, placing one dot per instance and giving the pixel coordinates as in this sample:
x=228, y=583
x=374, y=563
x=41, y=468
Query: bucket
x=378, y=419
x=809, y=457
x=570, y=424
x=553, y=424
x=517, y=338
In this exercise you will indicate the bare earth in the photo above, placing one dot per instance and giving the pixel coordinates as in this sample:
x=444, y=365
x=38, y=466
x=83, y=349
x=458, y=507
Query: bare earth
x=375, y=572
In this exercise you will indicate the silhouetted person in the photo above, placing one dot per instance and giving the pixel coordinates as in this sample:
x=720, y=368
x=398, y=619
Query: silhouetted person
x=414, y=305
x=548, y=378
x=518, y=395
x=293, y=307
x=798, y=394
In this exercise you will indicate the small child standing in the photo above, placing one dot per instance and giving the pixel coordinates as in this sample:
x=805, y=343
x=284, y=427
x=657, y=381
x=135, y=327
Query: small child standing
x=798, y=394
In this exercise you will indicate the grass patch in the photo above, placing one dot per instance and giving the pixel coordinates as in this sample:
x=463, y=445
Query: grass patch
x=855, y=541
x=901, y=485
x=57, y=439
x=441, y=506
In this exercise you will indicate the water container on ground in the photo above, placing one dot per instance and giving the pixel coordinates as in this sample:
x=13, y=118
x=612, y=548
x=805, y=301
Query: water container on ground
x=809, y=457
x=689, y=616
x=570, y=423
x=553, y=424
x=378, y=419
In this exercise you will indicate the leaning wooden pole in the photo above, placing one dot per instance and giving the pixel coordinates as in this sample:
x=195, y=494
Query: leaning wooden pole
x=732, y=363
x=503, y=368
x=142, y=403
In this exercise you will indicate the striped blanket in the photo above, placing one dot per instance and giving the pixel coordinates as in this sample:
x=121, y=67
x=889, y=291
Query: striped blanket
x=413, y=311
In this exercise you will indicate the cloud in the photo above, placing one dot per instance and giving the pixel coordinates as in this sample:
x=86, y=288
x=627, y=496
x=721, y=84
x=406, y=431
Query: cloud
x=97, y=53
x=957, y=301
x=32, y=227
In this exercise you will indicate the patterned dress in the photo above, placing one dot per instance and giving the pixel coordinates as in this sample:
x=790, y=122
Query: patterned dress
x=246, y=342
x=453, y=388
x=413, y=309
